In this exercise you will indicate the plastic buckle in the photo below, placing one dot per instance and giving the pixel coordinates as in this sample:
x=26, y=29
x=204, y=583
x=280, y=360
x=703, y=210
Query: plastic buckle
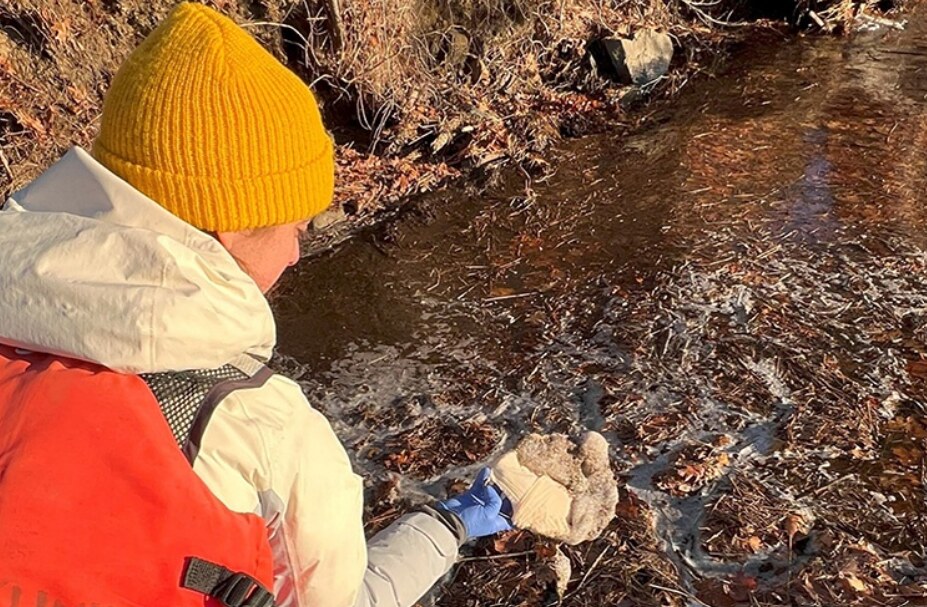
x=230, y=589
x=235, y=590
x=260, y=598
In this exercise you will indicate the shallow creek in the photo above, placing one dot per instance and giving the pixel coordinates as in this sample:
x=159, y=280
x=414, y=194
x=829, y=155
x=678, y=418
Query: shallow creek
x=735, y=294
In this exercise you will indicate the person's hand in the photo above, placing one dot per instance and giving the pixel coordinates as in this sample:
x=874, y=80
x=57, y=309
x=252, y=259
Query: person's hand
x=479, y=508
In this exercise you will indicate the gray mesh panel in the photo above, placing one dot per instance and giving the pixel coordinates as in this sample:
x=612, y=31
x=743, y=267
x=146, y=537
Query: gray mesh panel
x=181, y=393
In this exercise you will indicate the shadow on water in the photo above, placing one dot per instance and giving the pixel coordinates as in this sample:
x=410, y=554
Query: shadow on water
x=735, y=294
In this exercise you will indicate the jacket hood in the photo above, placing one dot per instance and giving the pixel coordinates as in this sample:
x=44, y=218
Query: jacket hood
x=95, y=270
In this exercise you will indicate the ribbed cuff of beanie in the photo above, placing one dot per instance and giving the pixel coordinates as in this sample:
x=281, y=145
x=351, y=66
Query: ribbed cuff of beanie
x=221, y=204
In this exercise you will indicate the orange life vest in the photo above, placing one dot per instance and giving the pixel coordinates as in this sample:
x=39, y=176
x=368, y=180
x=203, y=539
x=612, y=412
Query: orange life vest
x=99, y=506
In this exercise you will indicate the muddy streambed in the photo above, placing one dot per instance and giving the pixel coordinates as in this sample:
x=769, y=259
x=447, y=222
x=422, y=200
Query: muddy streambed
x=735, y=295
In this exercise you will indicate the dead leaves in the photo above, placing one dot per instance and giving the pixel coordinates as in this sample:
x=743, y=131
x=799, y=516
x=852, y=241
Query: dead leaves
x=367, y=182
x=754, y=543
x=499, y=291
x=909, y=426
x=728, y=591
x=906, y=451
x=795, y=523
x=432, y=446
x=550, y=565
x=629, y=506
x=692, y=469
x=516, y=540
x=853, y=583
x=908, y=456
x=917, y=369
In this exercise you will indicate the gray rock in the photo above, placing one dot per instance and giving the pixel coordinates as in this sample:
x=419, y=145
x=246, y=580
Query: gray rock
x=328, y=218
x=639, y=60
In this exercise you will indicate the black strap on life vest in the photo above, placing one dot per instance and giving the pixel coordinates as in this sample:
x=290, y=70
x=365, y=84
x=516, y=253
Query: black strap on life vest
x=229, y=588
x=189, y=398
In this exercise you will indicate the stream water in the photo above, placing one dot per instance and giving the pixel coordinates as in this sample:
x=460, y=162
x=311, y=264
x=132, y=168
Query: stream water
x=735, y=294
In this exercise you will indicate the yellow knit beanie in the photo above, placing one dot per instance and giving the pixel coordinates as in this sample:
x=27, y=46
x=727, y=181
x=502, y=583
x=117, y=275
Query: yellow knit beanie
x=203, y=120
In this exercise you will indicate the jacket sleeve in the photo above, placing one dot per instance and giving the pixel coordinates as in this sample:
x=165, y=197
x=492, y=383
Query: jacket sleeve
x=267, y=451
x=406, y=559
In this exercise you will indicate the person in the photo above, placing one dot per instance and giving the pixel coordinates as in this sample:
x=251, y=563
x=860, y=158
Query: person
x=147, y=455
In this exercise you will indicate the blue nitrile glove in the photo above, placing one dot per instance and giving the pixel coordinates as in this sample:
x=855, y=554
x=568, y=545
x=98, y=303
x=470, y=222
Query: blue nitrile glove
x=479, y=508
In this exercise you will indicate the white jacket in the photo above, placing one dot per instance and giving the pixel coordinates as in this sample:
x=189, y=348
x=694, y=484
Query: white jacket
x=94, y=270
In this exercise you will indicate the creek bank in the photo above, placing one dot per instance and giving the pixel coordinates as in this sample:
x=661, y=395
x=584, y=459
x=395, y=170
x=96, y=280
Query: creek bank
x=417, y=93
x=601, y=82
